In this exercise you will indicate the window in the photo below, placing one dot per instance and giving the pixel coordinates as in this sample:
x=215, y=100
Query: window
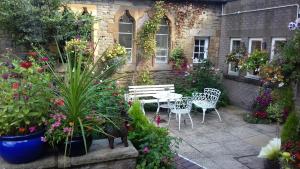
x=277, y=43
x=254, y=44
x=126, y=34
x=162, y=42
x=235, y=44
x=200, y=50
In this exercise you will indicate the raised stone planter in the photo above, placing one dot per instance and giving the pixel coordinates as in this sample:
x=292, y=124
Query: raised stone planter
x=99, y=157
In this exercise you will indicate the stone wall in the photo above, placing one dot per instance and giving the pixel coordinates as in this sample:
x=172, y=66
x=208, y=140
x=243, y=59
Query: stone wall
x=100, y=156
x=266, y=24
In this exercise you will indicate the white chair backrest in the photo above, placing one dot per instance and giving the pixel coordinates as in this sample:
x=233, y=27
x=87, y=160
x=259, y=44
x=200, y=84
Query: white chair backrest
x=212, y=95
x=185, y=103
x=149, y=90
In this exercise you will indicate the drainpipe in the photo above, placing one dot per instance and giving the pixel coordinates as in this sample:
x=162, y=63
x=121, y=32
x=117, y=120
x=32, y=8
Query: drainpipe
x=263, y=9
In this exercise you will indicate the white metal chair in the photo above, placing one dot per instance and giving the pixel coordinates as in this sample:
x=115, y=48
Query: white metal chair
x=207, y=100
x=182, y=106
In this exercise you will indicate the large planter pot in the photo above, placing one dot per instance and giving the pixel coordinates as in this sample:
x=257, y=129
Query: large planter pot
x=21, y=149
x=272, y=164
x=75, y=147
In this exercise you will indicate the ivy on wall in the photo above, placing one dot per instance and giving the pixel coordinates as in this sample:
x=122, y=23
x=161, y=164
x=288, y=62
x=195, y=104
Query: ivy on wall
x=186, y=15
x=147, y=41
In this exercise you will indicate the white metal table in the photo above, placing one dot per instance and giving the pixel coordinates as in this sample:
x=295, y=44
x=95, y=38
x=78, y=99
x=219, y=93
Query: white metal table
x=166, y=98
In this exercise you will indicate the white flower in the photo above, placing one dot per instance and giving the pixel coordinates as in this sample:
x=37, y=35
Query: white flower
x=271, y=151
x=280, y=84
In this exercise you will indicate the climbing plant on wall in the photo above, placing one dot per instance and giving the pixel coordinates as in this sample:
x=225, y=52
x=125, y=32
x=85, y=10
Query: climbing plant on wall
x=147, y=41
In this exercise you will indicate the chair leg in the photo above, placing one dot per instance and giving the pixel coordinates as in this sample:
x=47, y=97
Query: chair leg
x=143, y=109
x=158, y=107
x=203, y=117
x=191, y=120
x=169, y=118
x=179, y=117
x=218, y=114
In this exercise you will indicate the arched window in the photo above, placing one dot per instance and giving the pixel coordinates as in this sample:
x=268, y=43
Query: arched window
x=162, y=42
x=126, y=34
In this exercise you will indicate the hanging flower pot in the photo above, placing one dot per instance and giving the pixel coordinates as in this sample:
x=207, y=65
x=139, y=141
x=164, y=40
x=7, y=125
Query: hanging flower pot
x=21, y=149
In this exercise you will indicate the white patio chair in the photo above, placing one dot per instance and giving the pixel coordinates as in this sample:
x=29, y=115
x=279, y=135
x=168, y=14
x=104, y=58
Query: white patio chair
x=207, y=100
x=182, y=106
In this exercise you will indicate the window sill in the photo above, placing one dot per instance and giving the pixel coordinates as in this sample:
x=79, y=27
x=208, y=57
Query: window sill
x=242, y=79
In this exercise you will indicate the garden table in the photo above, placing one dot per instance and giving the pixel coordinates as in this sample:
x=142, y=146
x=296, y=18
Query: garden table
x=166, y=98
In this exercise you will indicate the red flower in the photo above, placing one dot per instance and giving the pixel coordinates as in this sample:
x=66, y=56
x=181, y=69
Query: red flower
x=26, y=64
x=297, y=155
x=44, y=59
x=157, y=120
x=22, y=130
x=59, y=102
x=32, y=54
x=261, y=115
x=15, y=85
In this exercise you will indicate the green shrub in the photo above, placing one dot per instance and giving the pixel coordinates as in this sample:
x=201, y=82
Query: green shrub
x=156, y=147
x=202, y=76
x=290, y=131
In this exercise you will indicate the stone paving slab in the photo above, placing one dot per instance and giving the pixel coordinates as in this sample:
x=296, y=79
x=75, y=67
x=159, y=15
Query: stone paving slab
x=230, y=144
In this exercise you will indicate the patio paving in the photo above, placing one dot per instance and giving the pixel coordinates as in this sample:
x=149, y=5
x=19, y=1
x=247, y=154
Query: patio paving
x=230, y=144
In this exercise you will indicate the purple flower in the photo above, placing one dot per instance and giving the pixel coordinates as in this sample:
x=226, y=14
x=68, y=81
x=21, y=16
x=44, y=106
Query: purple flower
x=56, y=124
x=16, y=96
x=146, y=150
x=32, y=129
x=5, y=76
x=67, y=130
x=26, y=98
x=43, y=139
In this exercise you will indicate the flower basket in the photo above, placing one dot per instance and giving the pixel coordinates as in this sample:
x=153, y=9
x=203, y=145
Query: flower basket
x=75, y=147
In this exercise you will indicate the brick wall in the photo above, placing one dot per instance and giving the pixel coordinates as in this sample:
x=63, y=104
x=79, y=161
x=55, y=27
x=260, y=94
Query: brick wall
x=266, y=24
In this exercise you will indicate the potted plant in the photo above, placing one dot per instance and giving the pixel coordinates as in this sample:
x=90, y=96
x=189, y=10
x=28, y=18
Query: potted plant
x=76, y=118
x=235, y=57
x=25, y=100
x=271, y=154
x=255, y=61
x=178, y=60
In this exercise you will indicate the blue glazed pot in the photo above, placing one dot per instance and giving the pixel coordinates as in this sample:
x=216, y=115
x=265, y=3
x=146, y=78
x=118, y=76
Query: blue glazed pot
x=21, y=149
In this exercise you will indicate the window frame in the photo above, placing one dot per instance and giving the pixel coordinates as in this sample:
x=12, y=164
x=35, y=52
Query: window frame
x=163, y=49
x=272, y=53
x=249, y=75
x=129, y=61
x=230, y=72
x=206, y=45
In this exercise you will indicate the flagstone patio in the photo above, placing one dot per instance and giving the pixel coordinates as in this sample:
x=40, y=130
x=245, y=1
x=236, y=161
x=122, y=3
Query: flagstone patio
x=230, y=144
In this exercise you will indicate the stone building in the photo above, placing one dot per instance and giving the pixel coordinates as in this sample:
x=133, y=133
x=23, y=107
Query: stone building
x=193, y=26
x=259, y=24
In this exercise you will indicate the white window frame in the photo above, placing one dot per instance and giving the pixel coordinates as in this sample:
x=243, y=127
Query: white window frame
x=274, y=40
x=229, y=65
x=206, y=43
x=249, y=75
x=167, y=49
x=126, y=33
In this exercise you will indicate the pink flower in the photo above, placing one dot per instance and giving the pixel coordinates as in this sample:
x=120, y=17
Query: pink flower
x=67, y=130
x=32, y=129
x=146, y=150
x=157, y=120
x=43, y=139
x=56, y=124
x=44, y=59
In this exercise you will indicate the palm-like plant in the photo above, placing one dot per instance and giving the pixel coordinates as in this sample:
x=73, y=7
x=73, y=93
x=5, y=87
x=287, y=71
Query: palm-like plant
x=78, y=90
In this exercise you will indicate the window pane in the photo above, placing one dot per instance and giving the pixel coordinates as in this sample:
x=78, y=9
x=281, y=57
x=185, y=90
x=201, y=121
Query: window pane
x=126, y=18
x=161, y=52
x=236, y=44
x=161, y=59
x=125, y=40
x=163, y=30
x=202, y=49
x=202, y=42
x=197, y=49
x=129, y=54
x=196, y=55
x=197, y=42
x=256, y=45
x=201, y=56
x=233, y=67
x=125, y=28
x=162, y=41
